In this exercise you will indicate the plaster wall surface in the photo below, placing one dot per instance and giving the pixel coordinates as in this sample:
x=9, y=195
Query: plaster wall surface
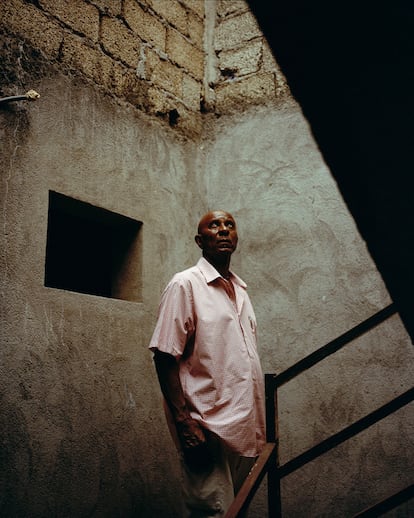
x=83, y=432
x=311, y=279
x=81, y=415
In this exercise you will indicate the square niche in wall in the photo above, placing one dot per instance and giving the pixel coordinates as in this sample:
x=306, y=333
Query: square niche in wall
x=92, y=250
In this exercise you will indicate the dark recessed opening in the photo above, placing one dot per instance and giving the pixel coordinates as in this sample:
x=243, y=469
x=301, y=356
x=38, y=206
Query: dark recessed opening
x=229, y=73
x=173, y=117
x=92, y=250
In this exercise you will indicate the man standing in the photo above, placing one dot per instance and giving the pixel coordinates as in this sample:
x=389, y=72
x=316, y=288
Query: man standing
x=209, y=371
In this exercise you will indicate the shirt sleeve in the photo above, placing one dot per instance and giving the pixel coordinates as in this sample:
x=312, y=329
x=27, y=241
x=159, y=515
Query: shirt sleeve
x=175, y=324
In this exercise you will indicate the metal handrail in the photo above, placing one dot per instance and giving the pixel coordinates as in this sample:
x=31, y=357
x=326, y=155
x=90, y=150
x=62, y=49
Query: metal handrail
x=335, y=345
x=268, y=461
x=252, y=482
x=348, y=432
x=387, y=504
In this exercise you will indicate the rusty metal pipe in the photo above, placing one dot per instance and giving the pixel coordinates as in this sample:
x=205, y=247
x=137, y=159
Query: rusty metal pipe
x=31, y=95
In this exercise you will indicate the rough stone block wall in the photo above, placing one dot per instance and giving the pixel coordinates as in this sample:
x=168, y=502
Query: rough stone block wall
x=161, y=56
x=148, y=53
x=247, y=73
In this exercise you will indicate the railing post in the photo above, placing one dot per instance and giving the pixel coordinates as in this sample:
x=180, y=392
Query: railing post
x=272, y=432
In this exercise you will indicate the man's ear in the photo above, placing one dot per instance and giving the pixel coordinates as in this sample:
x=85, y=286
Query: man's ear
x=198, y=240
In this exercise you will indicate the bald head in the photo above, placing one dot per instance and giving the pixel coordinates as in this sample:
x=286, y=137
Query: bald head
x=213, y=214
x=217, y=237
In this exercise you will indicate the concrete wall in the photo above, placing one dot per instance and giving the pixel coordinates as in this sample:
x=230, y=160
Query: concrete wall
x=83, y=432
x=82, y=427
x=311, y=279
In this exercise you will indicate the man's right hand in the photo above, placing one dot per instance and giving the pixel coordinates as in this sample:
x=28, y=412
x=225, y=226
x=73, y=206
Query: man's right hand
x=194, y=445
x=190, y=433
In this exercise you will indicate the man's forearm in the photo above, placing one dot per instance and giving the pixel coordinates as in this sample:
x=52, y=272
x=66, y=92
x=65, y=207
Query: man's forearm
x=171, y=388
x=190, y=433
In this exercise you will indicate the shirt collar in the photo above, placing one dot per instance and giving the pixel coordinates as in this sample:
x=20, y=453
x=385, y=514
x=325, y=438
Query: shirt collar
x=210, y=273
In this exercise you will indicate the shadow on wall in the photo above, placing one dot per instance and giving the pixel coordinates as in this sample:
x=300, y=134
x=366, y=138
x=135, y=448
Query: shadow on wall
x=15, y=458
x=350, y=70
x=85, y=478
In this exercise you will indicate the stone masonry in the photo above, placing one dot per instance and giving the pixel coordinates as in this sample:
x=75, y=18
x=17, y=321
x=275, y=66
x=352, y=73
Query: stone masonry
x=247, y=71
x=175, y=59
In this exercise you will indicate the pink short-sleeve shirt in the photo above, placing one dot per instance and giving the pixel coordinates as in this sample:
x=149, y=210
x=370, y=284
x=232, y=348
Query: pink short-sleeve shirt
x=213, y=339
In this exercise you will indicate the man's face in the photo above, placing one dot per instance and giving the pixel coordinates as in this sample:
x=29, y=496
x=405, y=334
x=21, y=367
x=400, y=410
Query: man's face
x=217, y=234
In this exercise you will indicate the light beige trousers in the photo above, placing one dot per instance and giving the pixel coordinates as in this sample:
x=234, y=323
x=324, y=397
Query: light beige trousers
x=209, y=494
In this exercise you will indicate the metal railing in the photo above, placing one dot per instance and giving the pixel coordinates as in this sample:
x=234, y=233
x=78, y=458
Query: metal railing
x=268, y=462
